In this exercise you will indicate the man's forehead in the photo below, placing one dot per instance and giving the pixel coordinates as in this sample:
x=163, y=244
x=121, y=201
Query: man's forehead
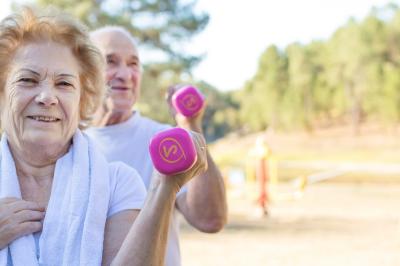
x=116, y=43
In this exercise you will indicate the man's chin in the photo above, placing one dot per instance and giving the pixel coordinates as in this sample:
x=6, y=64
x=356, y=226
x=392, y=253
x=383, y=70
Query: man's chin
x=120, y=105
x=122, y=108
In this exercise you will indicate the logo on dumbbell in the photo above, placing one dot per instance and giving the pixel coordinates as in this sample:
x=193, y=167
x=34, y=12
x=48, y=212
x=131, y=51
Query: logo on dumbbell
x=190, y=102
x=171, y=150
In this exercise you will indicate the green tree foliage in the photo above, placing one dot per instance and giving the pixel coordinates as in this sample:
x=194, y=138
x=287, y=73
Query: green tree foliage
x=158, y=24
x=262, y=95
x=352, y=77
x=221, y=115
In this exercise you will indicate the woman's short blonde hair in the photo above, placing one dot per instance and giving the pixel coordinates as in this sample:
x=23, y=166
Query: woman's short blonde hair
x=29, y=26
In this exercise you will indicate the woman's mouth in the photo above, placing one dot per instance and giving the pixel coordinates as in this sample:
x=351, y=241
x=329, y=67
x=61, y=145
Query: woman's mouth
x=41, y=118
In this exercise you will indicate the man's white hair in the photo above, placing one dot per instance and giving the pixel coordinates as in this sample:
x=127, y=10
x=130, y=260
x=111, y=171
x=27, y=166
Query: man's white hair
x=112, y=28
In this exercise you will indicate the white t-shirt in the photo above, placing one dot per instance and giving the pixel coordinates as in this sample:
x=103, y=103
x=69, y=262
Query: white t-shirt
x=127, y=193
x=129, y=142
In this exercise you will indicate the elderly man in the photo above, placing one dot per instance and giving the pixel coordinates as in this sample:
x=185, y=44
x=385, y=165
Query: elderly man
x=123, y=135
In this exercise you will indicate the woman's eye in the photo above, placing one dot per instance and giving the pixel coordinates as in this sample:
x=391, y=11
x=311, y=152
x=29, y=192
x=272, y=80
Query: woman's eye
x=27, y=80
x=64, y=83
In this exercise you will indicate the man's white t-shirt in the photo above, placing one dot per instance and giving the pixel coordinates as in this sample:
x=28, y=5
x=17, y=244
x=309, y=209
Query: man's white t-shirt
x=129, y=142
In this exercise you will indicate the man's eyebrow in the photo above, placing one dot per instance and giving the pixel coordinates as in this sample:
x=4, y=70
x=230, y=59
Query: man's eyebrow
x=135, y=57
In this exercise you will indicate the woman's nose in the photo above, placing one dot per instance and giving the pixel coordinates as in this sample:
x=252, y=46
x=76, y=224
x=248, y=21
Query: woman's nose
x=46, y=96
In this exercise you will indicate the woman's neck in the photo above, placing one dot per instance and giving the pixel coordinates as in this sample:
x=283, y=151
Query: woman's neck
x=36, y=162
x=35, y=177
x=40, y=173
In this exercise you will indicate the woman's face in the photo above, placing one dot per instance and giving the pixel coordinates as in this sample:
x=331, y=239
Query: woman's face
x=40, y=105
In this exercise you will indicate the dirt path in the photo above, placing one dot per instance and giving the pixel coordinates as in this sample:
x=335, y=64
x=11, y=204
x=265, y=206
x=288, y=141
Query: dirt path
x=333, y=224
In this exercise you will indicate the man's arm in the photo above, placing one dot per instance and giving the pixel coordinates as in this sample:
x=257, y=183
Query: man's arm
x=204, y=203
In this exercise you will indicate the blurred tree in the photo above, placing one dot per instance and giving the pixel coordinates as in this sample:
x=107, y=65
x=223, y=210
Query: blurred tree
x=221, y=116
x=352, y=77
x=299, y=98
x=261, y=97
x=161, y=25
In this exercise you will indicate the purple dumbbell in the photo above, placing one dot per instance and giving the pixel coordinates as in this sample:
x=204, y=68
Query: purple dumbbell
x=172, y=151
x=188, y=101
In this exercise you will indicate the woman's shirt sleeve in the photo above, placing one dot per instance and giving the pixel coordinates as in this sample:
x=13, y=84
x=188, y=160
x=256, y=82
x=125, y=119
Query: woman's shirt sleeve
x=127, y=189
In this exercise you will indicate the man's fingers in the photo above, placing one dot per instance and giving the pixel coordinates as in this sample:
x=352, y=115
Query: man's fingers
x=199, y=141
x=170, y=91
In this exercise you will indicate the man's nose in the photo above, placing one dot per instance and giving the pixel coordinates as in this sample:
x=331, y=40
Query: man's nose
x=124, y=73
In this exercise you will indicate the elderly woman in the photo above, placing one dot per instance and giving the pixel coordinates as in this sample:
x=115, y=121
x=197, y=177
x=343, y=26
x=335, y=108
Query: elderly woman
x=61, y=203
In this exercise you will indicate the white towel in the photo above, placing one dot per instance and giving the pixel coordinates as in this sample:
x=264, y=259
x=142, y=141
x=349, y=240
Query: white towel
x=73, y=229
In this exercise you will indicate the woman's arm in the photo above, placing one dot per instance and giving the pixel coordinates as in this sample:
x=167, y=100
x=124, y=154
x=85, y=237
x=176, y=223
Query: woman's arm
x=146, y=239
x=117, y=227
x=145, y=243
x=140, y=239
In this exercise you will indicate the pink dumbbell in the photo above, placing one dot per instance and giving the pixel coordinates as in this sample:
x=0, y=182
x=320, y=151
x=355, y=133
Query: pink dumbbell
x=188, y=101
x=172, y=151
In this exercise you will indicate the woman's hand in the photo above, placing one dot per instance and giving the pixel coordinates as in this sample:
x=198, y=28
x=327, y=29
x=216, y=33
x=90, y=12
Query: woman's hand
x=200, y=166
x=18, y=218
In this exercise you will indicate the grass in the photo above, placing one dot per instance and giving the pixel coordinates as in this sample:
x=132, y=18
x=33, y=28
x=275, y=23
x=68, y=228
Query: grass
x=329, y=146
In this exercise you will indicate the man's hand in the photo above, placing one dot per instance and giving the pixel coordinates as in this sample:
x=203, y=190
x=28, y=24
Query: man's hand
x=193, y=123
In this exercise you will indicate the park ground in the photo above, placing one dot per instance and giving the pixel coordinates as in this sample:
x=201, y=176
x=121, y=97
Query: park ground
x=352, y=219
x=331, y=224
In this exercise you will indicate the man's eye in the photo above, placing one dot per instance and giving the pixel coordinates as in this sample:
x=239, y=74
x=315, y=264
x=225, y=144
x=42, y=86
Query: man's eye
x=111, y=61
x=133, y=64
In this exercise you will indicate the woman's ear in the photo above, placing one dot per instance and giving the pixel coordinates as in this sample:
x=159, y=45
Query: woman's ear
x=1, y=108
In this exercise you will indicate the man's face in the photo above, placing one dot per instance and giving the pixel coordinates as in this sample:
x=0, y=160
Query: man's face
x=123, y=71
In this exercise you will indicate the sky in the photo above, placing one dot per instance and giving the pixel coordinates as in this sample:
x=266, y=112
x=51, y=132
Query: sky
x=239, y=32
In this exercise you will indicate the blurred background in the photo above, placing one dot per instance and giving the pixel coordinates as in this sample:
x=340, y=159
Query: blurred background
x=303, y=119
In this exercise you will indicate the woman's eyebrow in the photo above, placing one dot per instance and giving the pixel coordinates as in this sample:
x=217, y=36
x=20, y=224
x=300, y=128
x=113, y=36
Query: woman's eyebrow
x=66, y=75
x=29, y=70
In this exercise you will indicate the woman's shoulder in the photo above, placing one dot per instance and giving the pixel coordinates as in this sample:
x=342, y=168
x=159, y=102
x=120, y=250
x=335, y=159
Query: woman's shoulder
x=127, y=188
x=120, y=170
